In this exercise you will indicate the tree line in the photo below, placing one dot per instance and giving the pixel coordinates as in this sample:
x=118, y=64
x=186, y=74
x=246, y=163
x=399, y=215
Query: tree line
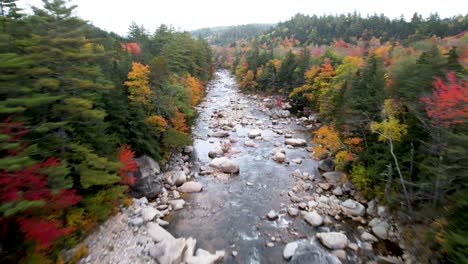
x=77, y=104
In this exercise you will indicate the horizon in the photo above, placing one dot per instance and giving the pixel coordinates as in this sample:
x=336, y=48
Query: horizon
x=209, y=13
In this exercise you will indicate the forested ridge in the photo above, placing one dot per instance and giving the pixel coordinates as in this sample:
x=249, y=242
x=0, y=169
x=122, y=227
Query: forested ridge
x=391, y=96
x=77, y=105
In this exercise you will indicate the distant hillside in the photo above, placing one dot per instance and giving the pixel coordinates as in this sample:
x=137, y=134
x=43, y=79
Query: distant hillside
x=352, y=27
x=229, y=34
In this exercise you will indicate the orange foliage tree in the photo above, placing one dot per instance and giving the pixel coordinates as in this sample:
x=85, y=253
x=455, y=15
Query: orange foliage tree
x=326, y=139
x=194, y=89
x=179, y=123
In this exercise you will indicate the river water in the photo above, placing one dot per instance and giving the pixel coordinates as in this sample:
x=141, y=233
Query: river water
x=229, y=214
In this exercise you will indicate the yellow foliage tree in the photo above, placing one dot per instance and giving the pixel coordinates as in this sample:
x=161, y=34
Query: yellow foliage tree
x=157, y=122
x=391, y=130
x=138, y=84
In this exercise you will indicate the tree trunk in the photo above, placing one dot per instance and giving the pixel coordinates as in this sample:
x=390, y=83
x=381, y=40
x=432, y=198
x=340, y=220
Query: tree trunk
x=388, y=186
x=390, y=142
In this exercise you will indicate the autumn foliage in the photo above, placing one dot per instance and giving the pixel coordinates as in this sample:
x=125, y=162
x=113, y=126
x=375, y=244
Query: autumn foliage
x=158, y=122
x=449, y=104
x=129, y=165
x=132, y=47
x=138, y=84
x=194, y=88
x=179, y=123
x=326, y=139
x=26, y=199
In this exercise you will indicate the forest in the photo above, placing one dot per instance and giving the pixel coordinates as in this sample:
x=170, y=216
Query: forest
x=77, y=104
x=392, y=97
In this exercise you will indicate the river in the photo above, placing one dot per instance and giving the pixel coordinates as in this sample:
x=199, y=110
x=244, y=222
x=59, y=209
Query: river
x=230, y=212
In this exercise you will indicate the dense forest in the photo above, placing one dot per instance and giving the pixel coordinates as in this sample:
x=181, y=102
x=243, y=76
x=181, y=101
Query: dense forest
x=77, y=104
x=392, y=97
x=231, y=34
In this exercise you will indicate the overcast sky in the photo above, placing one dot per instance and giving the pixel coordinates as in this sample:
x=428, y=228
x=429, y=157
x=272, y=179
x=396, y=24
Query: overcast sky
x=116, y=15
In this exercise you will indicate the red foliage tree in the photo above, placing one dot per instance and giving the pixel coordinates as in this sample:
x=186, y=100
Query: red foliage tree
x=25, y=197
x=449, y=104
x=126, y=157
x=132, y=47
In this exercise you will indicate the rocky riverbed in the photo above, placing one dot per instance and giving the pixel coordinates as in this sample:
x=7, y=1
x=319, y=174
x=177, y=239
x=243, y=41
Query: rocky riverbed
x=248, y=191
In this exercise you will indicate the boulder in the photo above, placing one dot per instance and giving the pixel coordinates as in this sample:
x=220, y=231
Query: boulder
x=277, y=112
x=216, y=152
x=333, y=240
x=177, y=204
x=157, y=233
x=314, y=118
x=372, y=208
x=249, y=143
x=293, y=211
x=297, y=161
x=311, y=252
x=225, y=165
x=219, y=134
x=353, y=208
x=313, y=218
x=272, y=215
x=279, y=157
x=169, y=251
x=295, y=142
x=204, y=257
x=289, y=250
x=176, y=178
x=339, y=253
x=381, y=230
x=368, y=237
x=149, y=213
x=188, y=149
x=338, y=191
x=255, y=133
x=326, y=165
x=148, y=182
x=137, y=221
x=333, y=177
x=324, y=185
x=190, y=187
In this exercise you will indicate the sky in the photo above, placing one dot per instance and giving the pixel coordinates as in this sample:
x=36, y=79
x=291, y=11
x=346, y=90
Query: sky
x=117, y=15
